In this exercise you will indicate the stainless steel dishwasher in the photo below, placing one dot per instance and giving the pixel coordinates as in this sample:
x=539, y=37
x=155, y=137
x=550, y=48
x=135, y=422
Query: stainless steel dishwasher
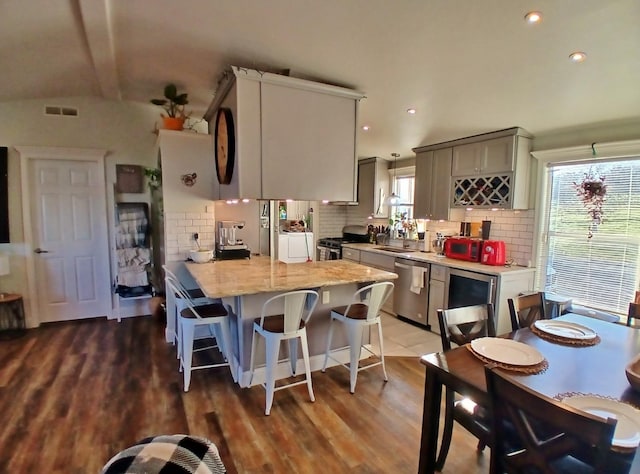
x=411, y=294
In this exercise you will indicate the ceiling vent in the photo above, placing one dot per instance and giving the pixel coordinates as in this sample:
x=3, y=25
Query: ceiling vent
x=57, y=110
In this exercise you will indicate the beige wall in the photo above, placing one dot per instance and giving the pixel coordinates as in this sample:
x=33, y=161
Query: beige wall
x=125, y=129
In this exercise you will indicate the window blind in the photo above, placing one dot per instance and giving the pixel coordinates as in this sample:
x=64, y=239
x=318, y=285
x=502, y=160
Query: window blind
x=602, y=271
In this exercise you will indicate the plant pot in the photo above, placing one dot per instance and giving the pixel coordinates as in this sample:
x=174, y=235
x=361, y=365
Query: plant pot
x=173, y=123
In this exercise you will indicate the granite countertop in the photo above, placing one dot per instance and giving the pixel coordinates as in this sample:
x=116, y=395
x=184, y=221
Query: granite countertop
x=224, y=278
x=431, y=257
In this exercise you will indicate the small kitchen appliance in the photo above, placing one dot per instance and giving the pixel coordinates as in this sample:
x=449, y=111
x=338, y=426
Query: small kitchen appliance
x=438, y=244
x=463, y=248
x=493, y=252
x=228, y=245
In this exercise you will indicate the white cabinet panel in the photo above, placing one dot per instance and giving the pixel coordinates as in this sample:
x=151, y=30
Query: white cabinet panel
x=295, y=139
x=308, y=144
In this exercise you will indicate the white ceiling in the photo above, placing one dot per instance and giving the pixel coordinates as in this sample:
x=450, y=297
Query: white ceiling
x=467, y=66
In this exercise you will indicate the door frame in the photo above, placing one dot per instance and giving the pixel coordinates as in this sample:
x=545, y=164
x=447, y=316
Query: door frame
x=28, y=153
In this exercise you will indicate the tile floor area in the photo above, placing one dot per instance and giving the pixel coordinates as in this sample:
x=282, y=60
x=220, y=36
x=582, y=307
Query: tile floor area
x=404, y=339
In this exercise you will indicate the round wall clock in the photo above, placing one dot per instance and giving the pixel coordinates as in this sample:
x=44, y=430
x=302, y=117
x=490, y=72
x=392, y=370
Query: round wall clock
x=225, y=145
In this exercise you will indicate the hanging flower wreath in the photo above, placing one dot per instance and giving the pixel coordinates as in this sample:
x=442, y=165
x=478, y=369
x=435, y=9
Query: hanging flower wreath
x=592, y=192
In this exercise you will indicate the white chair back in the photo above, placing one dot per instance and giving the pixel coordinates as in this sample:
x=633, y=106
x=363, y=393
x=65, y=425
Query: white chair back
x=374, y=296
x=176, y=288
x=298, y=306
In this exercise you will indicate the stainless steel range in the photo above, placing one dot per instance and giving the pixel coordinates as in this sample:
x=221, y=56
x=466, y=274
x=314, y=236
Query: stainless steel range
x=330, y=248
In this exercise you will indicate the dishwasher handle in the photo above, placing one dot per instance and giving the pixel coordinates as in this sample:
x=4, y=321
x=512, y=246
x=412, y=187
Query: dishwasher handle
x=400, y=265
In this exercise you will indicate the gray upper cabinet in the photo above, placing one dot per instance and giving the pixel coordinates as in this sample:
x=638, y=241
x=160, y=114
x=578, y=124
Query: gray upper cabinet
x=294, y=139
x=433, y=184
x=486, y=157
x=491, y=170
x=373, y=186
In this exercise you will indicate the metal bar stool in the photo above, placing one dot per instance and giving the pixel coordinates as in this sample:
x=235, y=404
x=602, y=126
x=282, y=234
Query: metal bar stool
x=288, y=326
x=213, y=315
x=362, y=312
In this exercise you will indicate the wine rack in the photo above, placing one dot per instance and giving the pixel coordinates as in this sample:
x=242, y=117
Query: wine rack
x=483, y=191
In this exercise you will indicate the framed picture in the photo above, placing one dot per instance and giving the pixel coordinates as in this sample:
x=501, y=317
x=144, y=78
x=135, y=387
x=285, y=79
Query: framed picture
x=129, y=179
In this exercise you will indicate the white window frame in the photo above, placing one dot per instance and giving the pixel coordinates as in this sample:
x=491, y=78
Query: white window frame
x=602, y=151
x=404, y=172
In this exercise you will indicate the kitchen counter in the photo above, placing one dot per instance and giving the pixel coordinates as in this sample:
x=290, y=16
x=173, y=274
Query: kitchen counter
x=228, y=278
x=431, y=257
x=509, y=281
x=245, y=285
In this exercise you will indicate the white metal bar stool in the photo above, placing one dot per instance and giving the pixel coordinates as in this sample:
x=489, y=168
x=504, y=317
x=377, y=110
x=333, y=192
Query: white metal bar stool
x=213, y=315
x=175, y=304
x=289, y=326
x=362, y=312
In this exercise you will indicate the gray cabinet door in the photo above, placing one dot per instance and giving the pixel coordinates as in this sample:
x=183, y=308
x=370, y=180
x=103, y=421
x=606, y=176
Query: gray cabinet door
x=488, y=156
x=433, y=184
x=373, y=186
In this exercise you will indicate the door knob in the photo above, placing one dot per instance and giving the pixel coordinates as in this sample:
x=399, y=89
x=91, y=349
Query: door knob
x=39, y=250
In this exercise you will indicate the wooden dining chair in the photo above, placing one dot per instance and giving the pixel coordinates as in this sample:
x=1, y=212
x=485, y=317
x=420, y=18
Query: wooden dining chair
x=460, y=326
x=525, y=310
x=633, y=313
x=534, y=433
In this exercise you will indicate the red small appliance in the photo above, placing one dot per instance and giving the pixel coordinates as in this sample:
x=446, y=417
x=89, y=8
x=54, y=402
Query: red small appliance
x=493, y=253
x=463, y=248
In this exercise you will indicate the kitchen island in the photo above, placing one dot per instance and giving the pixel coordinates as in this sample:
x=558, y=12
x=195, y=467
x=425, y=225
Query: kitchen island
x=246, y=284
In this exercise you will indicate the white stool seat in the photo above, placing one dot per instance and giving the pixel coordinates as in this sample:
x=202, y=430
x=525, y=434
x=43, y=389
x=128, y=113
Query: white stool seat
x=288, y=326
x=362, y=312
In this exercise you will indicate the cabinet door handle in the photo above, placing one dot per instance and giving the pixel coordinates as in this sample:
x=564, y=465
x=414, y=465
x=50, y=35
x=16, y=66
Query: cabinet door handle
x=39, y=250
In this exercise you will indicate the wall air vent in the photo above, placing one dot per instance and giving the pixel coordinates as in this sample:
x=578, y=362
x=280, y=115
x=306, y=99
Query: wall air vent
x=57, y=110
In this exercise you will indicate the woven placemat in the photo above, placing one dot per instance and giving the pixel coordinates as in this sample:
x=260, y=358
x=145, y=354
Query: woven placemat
x=525, y=369
x=564, y=340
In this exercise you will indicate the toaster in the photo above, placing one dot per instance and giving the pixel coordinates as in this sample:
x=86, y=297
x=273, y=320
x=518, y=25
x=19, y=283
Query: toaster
x=493, y=252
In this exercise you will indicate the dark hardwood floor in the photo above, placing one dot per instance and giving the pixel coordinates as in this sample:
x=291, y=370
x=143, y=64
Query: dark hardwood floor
x=74, y=394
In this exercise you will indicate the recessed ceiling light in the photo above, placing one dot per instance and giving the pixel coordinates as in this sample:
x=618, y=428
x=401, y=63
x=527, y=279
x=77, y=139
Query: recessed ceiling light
x=578, y=56
x=365, y=128
x=411, y=111
x=533, y=17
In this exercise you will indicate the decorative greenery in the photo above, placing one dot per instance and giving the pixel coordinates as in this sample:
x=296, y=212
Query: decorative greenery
x=401, y=222
x=592, y=191
x=173, y=102
x=155, y=177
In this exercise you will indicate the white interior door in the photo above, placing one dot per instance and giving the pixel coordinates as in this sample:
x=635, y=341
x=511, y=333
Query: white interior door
x=69, y=234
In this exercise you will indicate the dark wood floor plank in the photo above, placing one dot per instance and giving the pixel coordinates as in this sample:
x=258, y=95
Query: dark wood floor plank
x=74, y=394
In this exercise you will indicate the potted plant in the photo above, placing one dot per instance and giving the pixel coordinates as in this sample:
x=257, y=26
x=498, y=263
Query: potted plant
x=173, y=104
x=592, y=191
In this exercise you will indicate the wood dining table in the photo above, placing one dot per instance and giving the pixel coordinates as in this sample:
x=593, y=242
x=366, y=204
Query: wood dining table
x=572, y=370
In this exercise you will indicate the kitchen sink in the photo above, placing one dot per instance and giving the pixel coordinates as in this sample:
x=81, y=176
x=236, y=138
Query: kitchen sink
x=394, y=249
